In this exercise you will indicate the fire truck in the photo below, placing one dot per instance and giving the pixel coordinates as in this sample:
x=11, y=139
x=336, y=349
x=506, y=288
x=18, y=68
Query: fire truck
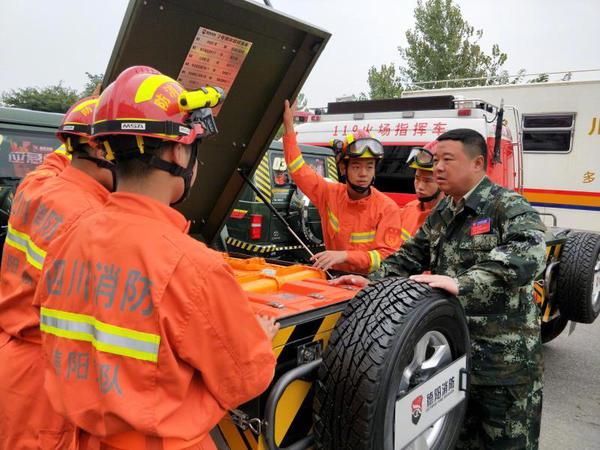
x=401, y=124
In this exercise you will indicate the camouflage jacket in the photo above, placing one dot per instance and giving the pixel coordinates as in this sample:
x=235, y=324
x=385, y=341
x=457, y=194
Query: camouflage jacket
x=493, y=244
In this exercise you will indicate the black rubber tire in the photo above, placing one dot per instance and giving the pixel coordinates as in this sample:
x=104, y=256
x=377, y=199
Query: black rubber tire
x=372, y=343
x=551, y=330
x=576, y=277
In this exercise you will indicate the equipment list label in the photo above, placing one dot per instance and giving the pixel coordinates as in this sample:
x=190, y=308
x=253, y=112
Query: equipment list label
x=214, y=59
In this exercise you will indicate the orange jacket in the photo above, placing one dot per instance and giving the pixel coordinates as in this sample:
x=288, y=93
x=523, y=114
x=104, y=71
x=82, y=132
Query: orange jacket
x=412, y=218
x=15, y=265
x=46, y=203
x=144, y=328
x=368, y=229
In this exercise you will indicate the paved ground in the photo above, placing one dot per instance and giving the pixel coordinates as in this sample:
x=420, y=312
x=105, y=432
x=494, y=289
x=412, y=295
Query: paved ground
x=571, y=417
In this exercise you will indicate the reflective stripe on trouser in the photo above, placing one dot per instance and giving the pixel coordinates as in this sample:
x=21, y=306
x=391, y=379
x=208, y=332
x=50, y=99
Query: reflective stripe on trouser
x=104, y=337
x=375, y=260
x=22, y=242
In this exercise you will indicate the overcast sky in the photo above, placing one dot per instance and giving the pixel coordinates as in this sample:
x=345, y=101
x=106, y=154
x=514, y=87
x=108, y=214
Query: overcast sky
x=43, y=42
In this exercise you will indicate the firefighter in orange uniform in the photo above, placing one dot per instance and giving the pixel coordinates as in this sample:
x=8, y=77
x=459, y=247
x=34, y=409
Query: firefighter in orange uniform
x=48, y=201
x=361, y=225
x=148, y=338
x=428, y=192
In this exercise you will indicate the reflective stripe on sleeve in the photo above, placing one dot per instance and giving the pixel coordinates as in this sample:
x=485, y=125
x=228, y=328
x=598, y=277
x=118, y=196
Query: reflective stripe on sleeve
x=22, y=242
x=363, y=237
x=333, y=221
x=375, y=260
x=295, y=165
x=103, y=336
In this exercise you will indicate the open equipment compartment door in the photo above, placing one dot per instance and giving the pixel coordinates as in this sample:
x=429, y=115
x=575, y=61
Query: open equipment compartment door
x=277, y=54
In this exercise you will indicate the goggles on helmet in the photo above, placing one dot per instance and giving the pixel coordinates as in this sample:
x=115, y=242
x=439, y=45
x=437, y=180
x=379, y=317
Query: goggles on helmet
x=358, y=148
x=336, y=145
x=420, y=158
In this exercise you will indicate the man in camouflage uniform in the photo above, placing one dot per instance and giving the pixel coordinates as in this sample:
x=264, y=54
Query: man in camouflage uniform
x=486, y=245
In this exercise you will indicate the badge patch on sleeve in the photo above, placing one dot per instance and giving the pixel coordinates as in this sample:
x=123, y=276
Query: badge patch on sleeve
x=392, y=237
x=481, y=226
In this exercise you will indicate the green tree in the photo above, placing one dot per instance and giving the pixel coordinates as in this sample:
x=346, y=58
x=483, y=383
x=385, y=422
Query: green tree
x=56, y=98
x=93, y=82
x=384, y=82
x=442, y=46
x=541, y=78
x=504, y=78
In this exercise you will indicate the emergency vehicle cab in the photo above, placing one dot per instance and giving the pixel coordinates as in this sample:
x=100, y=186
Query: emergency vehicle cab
x=401, y=124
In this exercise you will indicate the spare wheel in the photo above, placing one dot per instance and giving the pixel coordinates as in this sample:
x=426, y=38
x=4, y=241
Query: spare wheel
x=395, y=334
x=553, y=328
x=578, y=284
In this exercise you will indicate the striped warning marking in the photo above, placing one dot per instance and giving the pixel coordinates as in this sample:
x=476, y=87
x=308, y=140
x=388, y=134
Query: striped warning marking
x=257, y=248
x=262, y=179
x=293, y=418
x=548, y=307
x=331, y=168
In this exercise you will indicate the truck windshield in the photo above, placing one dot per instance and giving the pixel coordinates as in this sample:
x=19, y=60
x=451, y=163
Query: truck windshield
x=281, y=176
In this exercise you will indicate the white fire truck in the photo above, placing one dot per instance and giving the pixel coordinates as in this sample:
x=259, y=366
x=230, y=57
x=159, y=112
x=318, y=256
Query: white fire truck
x=401, y=124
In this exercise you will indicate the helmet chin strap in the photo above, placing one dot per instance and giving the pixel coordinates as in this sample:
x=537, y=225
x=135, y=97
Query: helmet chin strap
x=176, y=170
x=188, y=174
x=360, y=189
x=138, y=151
x=430, y=198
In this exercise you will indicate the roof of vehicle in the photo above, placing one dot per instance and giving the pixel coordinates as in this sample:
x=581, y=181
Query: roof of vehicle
x=282, y=53
x=19, y=116
x=523, y=86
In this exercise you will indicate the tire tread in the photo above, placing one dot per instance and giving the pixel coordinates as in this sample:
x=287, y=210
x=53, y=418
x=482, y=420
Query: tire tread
x=360, y=342
x=575, y=276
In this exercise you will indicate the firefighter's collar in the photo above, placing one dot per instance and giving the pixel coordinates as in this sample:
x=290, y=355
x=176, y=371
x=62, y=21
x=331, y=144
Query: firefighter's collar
x=85, y=182
x=142, y=205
